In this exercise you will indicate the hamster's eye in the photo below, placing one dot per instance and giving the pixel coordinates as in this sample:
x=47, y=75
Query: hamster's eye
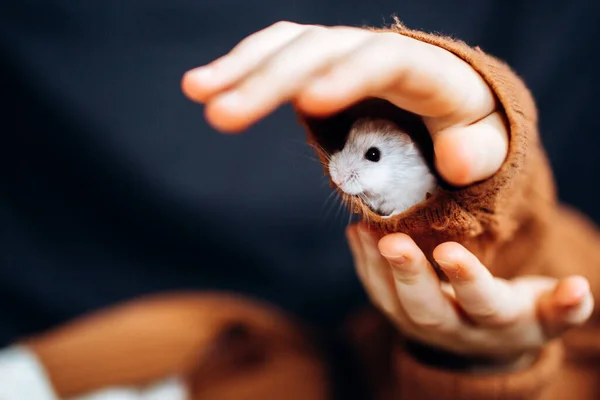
x=373, y=154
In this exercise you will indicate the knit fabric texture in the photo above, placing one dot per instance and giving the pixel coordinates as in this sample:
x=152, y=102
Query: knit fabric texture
x=482, y=216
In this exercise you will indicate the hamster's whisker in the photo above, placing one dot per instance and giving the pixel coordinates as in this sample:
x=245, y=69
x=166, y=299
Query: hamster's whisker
x=328, y=203
x=332, y=208
x=341, y=205
x=314, y=158
x=364, y=210
x=350, y=208
x=320, y=150
x=349, y=219
x=324, y=181
x=318, y=147
x=364, y=198
x=351, y=205
x=364, y=206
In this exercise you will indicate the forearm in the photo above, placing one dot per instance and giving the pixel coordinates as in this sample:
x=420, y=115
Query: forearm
x=572, y=247
x=525, y=231
x=507, y=221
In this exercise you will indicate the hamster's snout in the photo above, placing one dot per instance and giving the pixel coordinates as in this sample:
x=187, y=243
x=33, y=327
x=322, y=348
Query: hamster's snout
x=335, y=176
x=341, y=177
x=347, y=180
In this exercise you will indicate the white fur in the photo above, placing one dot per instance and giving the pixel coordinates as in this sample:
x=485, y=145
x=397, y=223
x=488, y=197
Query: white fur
x=399, y=180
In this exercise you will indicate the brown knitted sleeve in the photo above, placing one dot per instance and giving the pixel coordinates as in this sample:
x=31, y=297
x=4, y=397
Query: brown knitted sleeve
x=512, y=222
x=485, y=216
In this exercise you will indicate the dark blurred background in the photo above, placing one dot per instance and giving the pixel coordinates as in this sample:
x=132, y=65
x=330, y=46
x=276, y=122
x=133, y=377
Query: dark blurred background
x=112, y=185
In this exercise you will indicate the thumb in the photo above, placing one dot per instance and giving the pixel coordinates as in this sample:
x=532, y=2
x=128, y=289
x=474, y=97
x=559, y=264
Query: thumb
x=568, y=305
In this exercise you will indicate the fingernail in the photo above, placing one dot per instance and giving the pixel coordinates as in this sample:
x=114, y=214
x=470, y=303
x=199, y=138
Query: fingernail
x=447, y=265
x=451, y=270
x=397, y=259
x=565, y=308
x=404, y=272
x=201, y=74
x=572, y=302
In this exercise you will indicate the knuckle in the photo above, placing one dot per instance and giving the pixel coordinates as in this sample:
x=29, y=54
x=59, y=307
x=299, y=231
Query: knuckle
x=406, y=277
x=317, y=28
x=272, y=29
x=283, y=24
x=490, y=316
x=312, y=33
x=246, y=42
x=487, y=315
x=430, y=322
x=405, y=271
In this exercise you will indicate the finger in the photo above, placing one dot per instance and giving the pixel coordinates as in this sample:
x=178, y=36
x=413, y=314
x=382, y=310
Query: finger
x=279, y=78
x=378, y=276
x=484, y=299
x=467, y=154
x=356, y=249
x=417, y=286
x=455, y=101
x=201, y=83
x=414, y=75
x=570, y=304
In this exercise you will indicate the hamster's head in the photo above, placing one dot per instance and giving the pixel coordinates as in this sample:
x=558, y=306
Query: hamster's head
x=374, y=159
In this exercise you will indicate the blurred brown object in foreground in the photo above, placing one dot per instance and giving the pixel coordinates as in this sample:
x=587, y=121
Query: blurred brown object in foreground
x=223, y=346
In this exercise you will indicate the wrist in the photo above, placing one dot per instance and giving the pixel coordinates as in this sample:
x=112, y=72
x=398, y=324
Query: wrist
x=447, y=360
x=421, y=381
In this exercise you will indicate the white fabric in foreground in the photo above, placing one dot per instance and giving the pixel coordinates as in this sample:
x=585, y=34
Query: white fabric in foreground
x=171, y=389
x=22, y=377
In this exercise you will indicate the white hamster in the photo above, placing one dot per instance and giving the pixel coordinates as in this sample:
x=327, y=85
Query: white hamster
x=381, y=165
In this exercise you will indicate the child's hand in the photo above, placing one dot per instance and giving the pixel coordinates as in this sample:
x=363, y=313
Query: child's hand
x=326, y=69
x=474, y=314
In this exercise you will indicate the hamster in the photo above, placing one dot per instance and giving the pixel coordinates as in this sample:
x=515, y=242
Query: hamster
x=382, y=166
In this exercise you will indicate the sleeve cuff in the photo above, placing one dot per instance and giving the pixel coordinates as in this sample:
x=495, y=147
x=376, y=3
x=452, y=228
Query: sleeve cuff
x=22, y=376
x=419, y=381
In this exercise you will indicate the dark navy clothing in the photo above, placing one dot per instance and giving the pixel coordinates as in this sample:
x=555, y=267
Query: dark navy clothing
x=112, y=185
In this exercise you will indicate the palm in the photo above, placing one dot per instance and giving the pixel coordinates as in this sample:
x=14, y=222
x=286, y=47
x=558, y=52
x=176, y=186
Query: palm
x=474, y=314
